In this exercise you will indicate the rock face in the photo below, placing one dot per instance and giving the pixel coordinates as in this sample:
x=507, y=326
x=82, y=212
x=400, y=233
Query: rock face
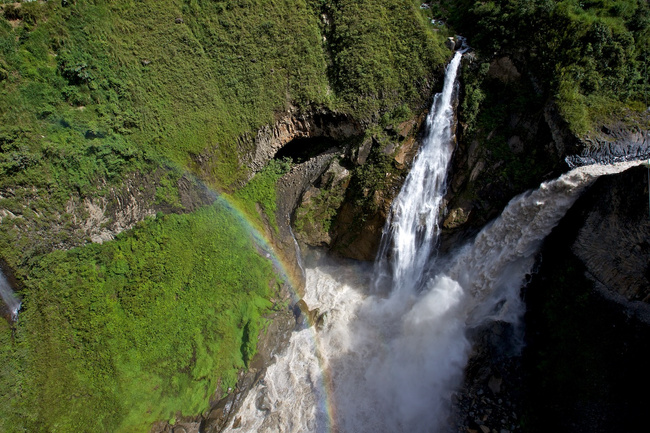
x=320, y=198
x=588, y=319
x=613, y=239
x=357, y=229
x=290, y=190
x=510, y=147
x=293, y=125
x=319, y=204
x=615, y=143
x=586, y=327
x=102, y=217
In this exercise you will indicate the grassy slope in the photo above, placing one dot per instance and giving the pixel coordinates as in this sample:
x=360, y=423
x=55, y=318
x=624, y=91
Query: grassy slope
x=113, y=337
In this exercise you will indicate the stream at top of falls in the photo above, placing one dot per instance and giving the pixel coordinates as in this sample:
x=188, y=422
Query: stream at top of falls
x=394, y=346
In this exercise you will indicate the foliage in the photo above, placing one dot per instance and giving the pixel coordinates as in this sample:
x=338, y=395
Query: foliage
x=113, y=337
x=382, y=52
x=590, y=55
x=261, y=191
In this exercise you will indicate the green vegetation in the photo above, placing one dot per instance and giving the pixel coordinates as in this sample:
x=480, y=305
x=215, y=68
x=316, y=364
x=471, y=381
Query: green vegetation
x=317, y=215
x=97, y=97
x=113, y=337
x=381, y=52
x=260, y=191
x=591, y=56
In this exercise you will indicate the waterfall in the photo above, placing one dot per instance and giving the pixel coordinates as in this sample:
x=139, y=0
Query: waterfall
x=390, y=361
x=9, y=297
x=411, y=231
x=492, y=269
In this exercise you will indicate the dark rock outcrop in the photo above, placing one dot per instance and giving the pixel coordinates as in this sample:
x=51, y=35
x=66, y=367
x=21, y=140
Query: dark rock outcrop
x=259, y=150
x=614, y=144
x=290, y=190
x=586, y=327
x=613, y=237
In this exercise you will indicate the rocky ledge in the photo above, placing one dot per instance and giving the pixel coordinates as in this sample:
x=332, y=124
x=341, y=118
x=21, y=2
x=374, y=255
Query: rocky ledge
x=614, y=143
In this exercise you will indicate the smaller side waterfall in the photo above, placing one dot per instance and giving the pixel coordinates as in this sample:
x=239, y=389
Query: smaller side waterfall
x=9, y=297
x=492, y=269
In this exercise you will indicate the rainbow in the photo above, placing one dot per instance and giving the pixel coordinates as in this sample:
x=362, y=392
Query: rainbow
x=281, y=266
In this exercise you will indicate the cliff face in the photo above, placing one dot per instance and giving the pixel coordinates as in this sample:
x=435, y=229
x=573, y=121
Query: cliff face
x=613, y=235
x=587, y=320
x=588, y=313
x=346, y=207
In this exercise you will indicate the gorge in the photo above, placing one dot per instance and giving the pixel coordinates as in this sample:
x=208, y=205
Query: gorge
x=387, y=357
x=308, y=215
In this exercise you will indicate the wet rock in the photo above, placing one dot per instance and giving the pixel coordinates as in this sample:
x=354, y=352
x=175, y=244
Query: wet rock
x=361, y=242
x=406, y=153
x=361, y=154
x=263, y=402
x=314, y=317
x=503, y=70
x=456, y=218
x=616, y=143
x=495, y=384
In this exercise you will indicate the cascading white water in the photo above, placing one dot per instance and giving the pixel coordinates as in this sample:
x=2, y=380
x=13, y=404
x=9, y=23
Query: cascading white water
x=297, y=248
x=411, y=230
x=9, y=297
x=391, y=363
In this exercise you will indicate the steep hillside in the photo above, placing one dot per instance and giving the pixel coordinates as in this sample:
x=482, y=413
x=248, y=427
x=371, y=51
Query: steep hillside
x=114, y=114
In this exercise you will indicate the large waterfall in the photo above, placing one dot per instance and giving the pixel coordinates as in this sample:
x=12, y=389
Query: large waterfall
x=412, y=227
x=389, y=360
